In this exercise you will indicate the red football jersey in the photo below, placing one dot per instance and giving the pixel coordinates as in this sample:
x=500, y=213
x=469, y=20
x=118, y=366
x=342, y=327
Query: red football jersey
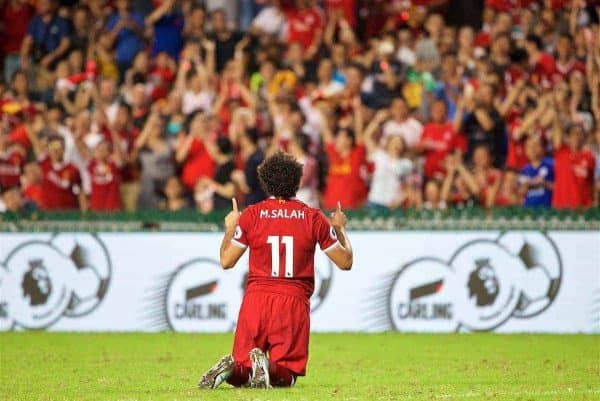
x=345, y=181
x=60, y=183
x=574, y=178
x=438, y=141
x=199, y=164
x=11, y=168
x=106, y=178
x=302, y=25
x=282, y=235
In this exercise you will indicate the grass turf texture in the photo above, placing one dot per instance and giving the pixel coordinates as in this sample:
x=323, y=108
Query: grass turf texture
x=391, y=366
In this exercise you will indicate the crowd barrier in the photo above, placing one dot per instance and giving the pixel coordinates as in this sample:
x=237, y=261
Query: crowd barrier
x=484, y=274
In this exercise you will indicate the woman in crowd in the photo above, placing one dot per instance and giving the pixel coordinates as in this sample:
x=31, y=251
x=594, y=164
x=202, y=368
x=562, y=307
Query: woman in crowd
x=390, y=167
x=156, y=161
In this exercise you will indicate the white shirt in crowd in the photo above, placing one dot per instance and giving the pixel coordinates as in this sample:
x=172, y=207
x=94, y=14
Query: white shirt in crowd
x=386, y=184
x=272, y=21
x=111, y=111
x=410, y=130
x=200, y=101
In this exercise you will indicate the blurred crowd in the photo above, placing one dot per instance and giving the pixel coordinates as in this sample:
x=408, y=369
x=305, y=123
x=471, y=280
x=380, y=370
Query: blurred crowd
x=110, y=105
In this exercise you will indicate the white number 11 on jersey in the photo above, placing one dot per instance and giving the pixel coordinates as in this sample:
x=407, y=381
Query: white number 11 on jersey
x=288, y=241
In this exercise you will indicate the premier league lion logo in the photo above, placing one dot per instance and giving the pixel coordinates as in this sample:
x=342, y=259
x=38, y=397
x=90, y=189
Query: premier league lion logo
x=42, y=281
x=481, y=286
x=36, y=283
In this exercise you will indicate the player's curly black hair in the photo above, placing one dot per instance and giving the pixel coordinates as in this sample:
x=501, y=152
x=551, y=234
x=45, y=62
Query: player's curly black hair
x=280, y=175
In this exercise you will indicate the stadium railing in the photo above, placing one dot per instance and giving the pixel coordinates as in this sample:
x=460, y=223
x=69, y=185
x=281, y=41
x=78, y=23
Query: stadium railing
x=517, y=218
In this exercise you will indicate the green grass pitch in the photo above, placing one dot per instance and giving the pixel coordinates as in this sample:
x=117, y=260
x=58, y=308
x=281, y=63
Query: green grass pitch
x=390, y=366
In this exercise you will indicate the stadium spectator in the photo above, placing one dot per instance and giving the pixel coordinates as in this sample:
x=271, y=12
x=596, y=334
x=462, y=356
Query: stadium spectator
x=125, y=28
x=46, y=43
x=439, y=140
x=487, y=177
x=507, y=193
x=309, y=184
x=222, y=184
x=391, y=167
x=433, y=196
x=305, y=26
x=31, y=183
x=61, y=180
x=80, y=36
x=174, y=194
x=574, y=169
x=270, y=20
x=247, y=179
x=12, y=160
x=156, y=162
x=193, y=30
x=19, y=13
x=459, y=188
x=225, y=39
x=193, y=154
x=104, y=169
x=402, y=124
x=536, y=179
x=167, y=23
x=478, y=119
x=347, y=159
x=12, y=201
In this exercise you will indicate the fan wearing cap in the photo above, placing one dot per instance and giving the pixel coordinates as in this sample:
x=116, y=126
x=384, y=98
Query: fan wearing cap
x=61, y=181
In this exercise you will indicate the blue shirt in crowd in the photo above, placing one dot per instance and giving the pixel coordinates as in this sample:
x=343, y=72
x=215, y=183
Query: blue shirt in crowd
x=128, y=43
x=168, y=36
x=539, y=195
x=48, y=36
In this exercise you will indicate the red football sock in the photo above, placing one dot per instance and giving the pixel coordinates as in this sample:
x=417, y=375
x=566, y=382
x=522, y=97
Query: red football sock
x=280, y=376
x=240, y=375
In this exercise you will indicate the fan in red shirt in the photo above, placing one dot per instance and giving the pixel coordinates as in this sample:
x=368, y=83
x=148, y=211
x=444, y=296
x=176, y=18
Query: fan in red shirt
x=487, y=177
x=347, y=167
x=542, y=64
x=438, y=140
x=305, y=25
x=274, y=318
x=345, y=8
x=529, y=117
x=566, y=63
x=573, y=169
x=61, y=181
x=192, y=152
x=19, y=13
x=31, y=181
x=12, y=159
x=104, y=168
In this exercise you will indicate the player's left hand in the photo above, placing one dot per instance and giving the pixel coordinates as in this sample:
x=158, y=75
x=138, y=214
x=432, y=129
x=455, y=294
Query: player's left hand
x=232, y=218
x=338, y=218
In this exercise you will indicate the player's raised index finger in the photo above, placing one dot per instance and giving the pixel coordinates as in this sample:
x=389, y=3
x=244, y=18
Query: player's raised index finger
x=339, y=206
x=234, y=204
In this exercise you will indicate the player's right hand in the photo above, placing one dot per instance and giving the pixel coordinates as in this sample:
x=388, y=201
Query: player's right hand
x=232, y=218
x=338, y=218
